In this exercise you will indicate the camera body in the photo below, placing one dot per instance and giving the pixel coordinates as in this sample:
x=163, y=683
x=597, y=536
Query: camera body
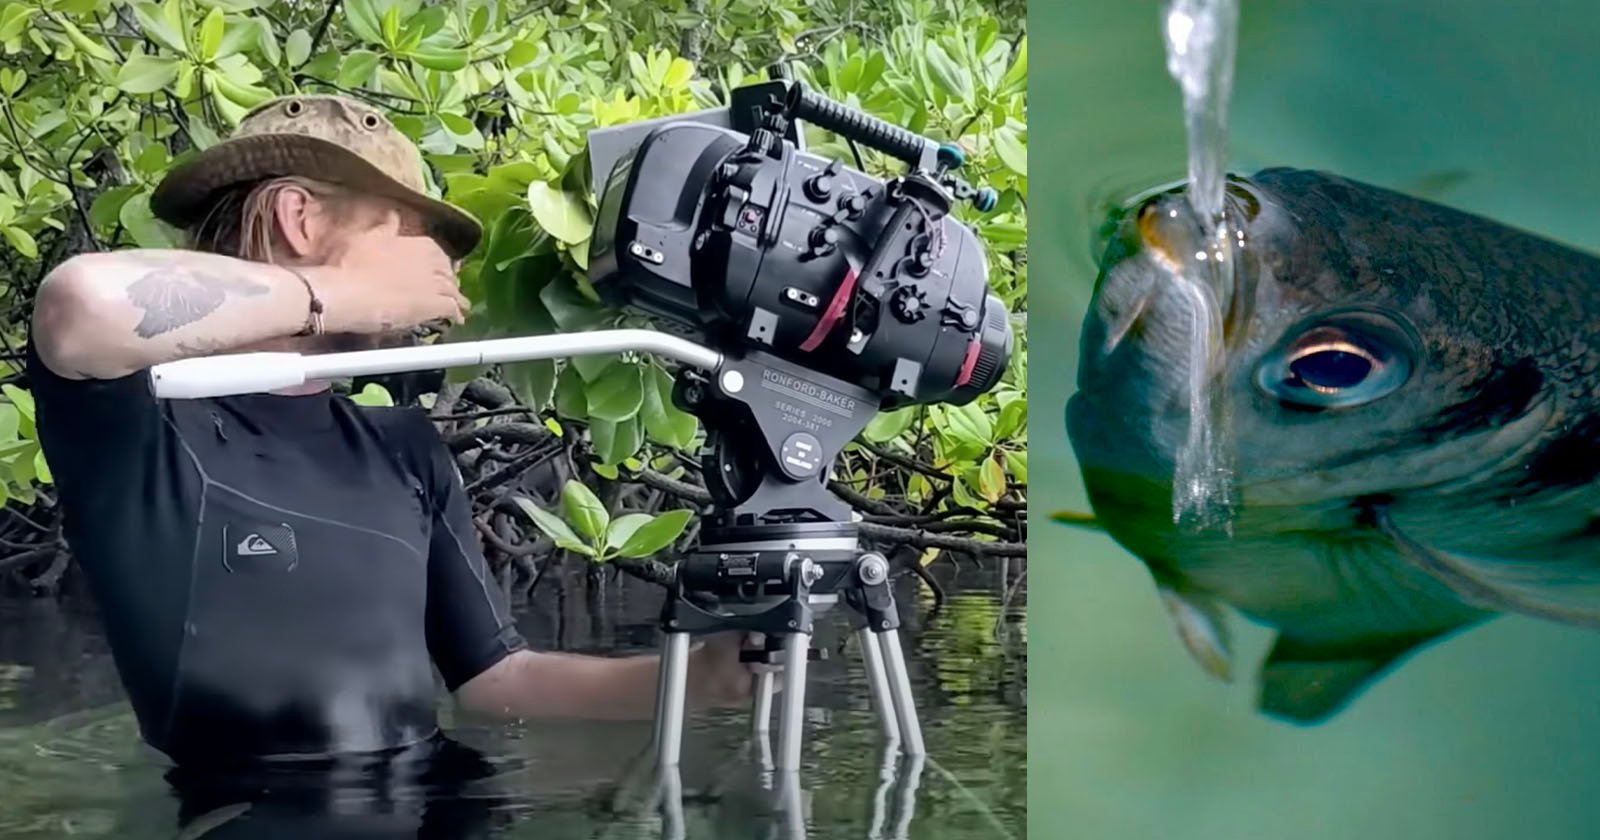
x=746, y=242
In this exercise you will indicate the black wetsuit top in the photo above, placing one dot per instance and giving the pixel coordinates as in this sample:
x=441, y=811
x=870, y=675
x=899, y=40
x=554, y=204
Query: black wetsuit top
x=279, y=576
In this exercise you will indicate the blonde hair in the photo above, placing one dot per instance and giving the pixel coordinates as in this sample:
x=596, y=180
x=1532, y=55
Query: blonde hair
x=242, y=224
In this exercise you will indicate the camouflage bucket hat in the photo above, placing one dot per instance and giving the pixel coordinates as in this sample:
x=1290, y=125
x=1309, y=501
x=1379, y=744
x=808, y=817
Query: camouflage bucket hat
x=329, y=138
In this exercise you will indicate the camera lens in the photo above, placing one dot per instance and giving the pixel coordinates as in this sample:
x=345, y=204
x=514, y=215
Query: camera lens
x=994, y=352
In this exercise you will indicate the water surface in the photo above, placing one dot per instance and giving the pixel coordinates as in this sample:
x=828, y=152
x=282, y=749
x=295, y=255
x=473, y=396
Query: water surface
x=71, y=765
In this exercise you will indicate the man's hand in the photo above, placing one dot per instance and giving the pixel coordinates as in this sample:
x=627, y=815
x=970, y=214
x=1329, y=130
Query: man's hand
x=527, y=684
x=381, y=280
x=717, y=679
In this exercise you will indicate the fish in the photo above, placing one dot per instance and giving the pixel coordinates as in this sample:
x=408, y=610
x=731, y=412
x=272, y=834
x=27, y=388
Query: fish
x=1410, y=421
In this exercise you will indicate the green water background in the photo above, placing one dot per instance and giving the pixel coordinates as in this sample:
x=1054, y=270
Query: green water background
x=1486, y=106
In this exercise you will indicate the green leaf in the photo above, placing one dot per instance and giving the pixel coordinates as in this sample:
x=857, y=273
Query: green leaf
x=521, y=53
x=991, y=480
x=267, y=41
x=623, y=527
x=664, y=422
x=479, y=23
x=297, y=48
x=24, y=404
x=147, y=74
x=390, y=24
x=570, y=309
x=10, y=422
x=241, y=35
x=888, y=425
x=969, y=424
x=1017, y=465
x=1011, y=151
x=678, y=74
x=358, y=68
x=13, y=19
x=154, y=24
x=563, y=214
x=147, y=231
x=363, y=20
x=21, y=240
x=617, y=395
x=210, y=34
x=955, y=79
x=1005, y=235
x=373, y=395
x=1013, y=418
x=84, y=44
x=612, y=442
x=961, y=492
x=532, y=382
x=1016, y=76
x=552, y=526
x=445, y=60
x=585, y=511
x=572, y=400
x=591, y=368
x=657, y=534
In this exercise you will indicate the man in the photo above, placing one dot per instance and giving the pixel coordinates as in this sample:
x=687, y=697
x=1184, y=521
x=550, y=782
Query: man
x=280, y=573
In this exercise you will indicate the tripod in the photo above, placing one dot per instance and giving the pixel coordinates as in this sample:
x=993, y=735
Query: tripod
x=778, y=551
x=811, y=569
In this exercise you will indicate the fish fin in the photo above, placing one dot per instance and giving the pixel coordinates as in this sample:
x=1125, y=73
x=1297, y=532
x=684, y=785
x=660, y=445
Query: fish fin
x=1081, y=520
x=1307, y=686
x=1564, y=590
x=1202, y=627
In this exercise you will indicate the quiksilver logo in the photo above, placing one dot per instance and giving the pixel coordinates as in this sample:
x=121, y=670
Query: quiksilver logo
x=254, y=545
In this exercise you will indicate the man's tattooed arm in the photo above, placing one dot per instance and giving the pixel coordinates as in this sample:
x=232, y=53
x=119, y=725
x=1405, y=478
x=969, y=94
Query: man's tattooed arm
x=173, y=298
x=104, y=316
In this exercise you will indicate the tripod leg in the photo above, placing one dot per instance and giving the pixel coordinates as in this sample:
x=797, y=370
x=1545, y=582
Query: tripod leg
x=791, y=714
x=900, y=685
x=761, y=711
x=671, y=802
x=673, y=684
x=878, y=681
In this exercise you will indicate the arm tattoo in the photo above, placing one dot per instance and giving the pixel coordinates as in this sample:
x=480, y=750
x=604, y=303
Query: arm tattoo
x=176, y=297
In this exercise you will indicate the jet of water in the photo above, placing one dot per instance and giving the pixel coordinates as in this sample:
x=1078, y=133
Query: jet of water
x=1200, y=37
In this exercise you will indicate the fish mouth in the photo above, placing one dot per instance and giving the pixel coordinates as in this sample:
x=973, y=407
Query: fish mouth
x=1163, y=239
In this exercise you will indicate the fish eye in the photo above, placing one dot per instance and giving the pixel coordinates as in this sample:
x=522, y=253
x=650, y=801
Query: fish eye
x=1339, y=361
x=1331, y=367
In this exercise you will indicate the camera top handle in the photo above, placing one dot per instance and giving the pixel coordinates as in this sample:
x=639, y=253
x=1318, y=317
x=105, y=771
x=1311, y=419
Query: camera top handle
x=917, y=151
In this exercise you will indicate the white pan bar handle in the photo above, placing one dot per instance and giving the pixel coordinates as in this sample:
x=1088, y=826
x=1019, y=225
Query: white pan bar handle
x=246, y=373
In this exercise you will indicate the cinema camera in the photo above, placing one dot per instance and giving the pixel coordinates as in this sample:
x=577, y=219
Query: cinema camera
x=830, y=295
x=803, y=296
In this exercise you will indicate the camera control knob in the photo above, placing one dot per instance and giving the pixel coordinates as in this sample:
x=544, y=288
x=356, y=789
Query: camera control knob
x=853, y=205
x=819, y=187
x=909, y=304
x=824, y=241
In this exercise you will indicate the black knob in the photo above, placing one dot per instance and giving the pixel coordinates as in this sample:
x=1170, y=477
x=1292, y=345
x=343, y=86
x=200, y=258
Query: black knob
x=824, y=240
x=909, y=304
x=854, y=205
x=819, y=188
x=919, y=263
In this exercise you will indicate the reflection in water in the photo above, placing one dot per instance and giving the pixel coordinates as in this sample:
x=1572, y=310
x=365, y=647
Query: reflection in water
x=70, y=761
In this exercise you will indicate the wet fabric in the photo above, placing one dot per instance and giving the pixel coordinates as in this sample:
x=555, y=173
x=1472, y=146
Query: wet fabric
x=279, y=576
x=437, y=788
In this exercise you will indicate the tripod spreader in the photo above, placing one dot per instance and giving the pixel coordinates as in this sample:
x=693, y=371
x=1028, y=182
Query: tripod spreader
x=776, y=585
